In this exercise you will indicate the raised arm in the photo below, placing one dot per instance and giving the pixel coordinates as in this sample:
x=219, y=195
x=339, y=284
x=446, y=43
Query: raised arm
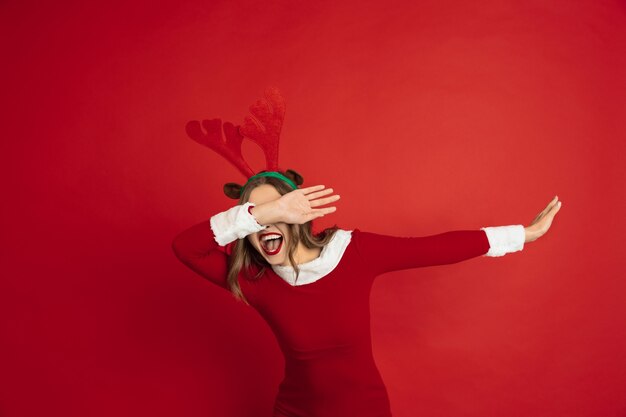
x=202, y=246
x=383, y=253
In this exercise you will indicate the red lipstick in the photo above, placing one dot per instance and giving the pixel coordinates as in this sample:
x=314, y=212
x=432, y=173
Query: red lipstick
x=278, y=248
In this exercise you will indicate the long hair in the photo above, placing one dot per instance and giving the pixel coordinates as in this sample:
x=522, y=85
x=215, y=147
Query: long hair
x=244, y=255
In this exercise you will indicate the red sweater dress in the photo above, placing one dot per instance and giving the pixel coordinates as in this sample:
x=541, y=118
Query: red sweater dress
x=323, y=328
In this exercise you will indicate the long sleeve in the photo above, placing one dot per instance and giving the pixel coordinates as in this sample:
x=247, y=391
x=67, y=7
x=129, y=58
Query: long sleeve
x=383, y=253
x=505, y=239
x=201, y=247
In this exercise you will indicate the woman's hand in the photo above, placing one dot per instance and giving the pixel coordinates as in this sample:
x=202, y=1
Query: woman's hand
x=542, y=222
x=297, y=206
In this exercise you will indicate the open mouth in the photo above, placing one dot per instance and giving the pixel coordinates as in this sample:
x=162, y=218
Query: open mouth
x=271, y=243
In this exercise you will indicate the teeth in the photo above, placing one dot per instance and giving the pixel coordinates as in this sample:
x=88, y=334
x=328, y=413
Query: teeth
x=271, y=243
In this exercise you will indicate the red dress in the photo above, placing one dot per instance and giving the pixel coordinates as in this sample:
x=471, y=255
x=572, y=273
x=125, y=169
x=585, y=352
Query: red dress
x=323, y=328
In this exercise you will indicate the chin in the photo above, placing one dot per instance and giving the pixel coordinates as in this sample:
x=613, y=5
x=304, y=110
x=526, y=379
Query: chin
x=275, y=260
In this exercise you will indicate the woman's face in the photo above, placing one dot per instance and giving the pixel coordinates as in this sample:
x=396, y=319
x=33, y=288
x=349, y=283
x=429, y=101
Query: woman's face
x=272, y=250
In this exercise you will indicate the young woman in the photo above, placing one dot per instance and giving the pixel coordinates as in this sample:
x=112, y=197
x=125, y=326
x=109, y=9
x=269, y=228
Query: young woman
x=313, y=290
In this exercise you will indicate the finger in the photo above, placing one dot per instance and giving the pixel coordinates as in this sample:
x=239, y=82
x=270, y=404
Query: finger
x=556, y=208
x=538, y=217
x=311, y=189
x=312, y=216
x=325, y=210
x=553, y=202
x=546, y=210
x=323, y=201
x=549, y=206
x=315, y=214
x=319, y=193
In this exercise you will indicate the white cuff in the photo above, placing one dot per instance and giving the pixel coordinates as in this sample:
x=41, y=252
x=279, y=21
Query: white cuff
x=234, y=223
x=505, y=239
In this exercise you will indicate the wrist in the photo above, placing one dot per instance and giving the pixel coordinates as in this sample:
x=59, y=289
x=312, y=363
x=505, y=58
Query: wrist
x=530, y=235
x=263, y=213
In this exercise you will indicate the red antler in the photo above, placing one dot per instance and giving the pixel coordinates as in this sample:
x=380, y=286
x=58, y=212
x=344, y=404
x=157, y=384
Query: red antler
x=270, y=113
x=231, y=149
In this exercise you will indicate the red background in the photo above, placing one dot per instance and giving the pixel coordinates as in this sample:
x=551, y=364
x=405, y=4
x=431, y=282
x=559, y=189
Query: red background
x=424, y=116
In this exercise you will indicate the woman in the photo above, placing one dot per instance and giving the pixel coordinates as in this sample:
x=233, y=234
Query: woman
x=313, y=290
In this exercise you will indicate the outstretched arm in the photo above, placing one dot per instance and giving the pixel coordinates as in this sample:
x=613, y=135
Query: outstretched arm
x=382, y=253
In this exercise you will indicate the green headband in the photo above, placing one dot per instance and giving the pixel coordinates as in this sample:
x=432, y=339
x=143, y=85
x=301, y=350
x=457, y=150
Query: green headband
x=272, y=174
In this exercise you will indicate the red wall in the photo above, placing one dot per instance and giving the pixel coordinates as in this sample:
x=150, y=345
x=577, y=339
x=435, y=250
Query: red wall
x=424, y=116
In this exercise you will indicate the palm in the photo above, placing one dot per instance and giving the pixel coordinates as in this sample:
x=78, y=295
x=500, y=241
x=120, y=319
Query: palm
x=299, y=206
x=542, y=222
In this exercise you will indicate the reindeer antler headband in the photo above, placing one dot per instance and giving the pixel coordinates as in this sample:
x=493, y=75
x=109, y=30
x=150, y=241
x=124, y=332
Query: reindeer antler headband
x=270, y=112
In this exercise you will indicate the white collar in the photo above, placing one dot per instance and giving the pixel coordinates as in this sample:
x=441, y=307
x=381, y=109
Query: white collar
x=321, y=266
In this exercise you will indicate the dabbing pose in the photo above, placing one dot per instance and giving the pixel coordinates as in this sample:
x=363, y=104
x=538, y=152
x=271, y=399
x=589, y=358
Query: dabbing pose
x=313, y=289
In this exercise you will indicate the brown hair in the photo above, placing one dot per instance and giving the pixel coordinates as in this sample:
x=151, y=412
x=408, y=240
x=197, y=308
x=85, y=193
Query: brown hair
x=244, y=254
